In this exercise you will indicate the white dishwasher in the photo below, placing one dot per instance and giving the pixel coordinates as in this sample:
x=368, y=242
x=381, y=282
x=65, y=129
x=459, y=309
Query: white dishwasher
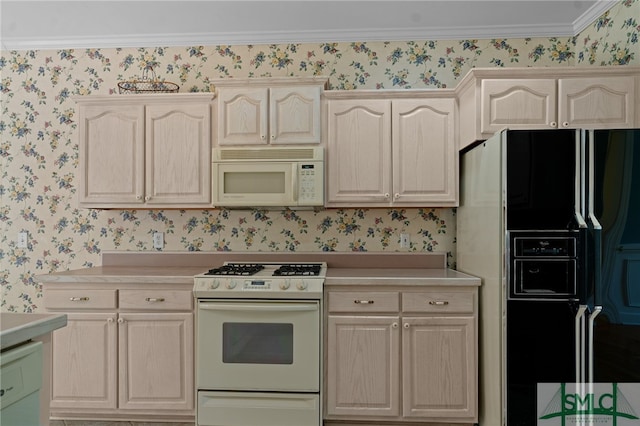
x=20, y=382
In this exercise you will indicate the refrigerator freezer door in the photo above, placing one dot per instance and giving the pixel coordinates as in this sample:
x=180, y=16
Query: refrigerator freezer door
x=615, y=203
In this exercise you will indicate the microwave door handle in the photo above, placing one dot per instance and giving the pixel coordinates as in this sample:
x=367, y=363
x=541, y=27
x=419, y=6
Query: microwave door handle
x=253, y=307
x=294, y=182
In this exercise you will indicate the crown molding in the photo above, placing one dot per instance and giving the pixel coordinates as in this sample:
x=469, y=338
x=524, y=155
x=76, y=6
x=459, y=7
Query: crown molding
x=278, y=37
x=590, y=16
x=314, y=36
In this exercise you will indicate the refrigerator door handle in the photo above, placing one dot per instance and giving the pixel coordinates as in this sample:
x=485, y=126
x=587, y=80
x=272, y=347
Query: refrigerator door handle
x=582, y=224
x=590, y=329
x=579, y=345
x=579, y=206
x=595, y=226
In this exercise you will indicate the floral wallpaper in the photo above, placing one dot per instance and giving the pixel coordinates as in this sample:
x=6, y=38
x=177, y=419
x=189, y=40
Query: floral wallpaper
x=39, y=150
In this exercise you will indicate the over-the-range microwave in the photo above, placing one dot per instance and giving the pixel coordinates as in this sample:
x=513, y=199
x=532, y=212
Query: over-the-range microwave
x=268, y=176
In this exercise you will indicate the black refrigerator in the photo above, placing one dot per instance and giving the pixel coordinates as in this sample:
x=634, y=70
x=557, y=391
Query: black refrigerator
x=550, y=220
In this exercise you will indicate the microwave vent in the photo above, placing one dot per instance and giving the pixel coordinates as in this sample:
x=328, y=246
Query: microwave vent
x=273, y=153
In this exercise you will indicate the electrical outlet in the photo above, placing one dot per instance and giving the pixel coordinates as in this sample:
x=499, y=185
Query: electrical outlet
x=158, y=240
x=405, y=241
x=23, y=239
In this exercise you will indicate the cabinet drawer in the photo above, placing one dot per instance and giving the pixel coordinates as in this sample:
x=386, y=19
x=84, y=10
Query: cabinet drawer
x=79, y=299
x=438, y=302
x=365, y=301
x=156, y=300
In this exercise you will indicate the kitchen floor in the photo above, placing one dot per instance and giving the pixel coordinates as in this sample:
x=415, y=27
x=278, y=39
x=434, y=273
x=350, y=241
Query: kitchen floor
x=102, y=423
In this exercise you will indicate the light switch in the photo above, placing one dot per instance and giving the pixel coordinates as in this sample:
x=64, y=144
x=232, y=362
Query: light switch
x=405, y=241
x=23, y=239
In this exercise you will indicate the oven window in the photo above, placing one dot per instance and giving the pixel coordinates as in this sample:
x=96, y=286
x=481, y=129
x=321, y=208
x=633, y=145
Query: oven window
x=257, y=343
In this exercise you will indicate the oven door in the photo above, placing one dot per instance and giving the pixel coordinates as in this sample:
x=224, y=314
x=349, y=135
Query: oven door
x=258, y=345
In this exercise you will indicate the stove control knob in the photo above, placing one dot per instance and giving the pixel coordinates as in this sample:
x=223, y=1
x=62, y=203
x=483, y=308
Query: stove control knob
x=285, y=285
x=302, y=285
x=214, y=284
x=231, y=285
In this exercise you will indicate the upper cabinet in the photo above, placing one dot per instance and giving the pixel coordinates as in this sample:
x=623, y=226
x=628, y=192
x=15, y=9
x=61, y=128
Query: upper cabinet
x=550, y=98
x=389, y=149
x=145, y=151
x=269, y=111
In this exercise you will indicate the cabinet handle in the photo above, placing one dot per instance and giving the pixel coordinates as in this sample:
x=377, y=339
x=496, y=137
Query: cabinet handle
x=363, y=302
x=386, y=195
x=154, y=299
x=394, y=325
x=78, y=299
x=138, y=197
x=406, y=325
x=396, y=196
x=120, y=321
x=147, y=198
x=565, y=124
x=553, y=124
x=109, y=320
x=262, y=137
x=273, y=137
x=5, y=390
x=438, y=302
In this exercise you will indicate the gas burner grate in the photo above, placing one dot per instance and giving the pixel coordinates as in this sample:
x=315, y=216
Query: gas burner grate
x=236, y=269
x=298, y=269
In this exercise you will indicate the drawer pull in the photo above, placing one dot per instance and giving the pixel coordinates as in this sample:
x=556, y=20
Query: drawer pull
x=79, y=299
x=154, y=299
x=438, y=302
x=363, y=302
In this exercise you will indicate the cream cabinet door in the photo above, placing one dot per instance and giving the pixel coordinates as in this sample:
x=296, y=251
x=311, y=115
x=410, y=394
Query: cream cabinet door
x=84, y=362
x=156, y=361
x=424, y=151
x=363, y=366
x=439, y=368
x=243, y=115
x=111, y=151
x=598, y=102
x=294, y=115
x=178, y=155
x=517, y=104
x=359, y=153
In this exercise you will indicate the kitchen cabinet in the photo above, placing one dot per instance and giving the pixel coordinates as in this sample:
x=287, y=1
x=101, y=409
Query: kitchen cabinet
x=125, y=351
x=492, y=100
x=145, y=151
x=269, y=111
x=402, y=354
x=388, y=149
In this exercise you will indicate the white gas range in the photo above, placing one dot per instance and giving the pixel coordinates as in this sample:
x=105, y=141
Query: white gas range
x=258, y=344
x=262, y=280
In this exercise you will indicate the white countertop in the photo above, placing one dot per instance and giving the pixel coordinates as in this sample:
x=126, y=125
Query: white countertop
x=398, y=276
x=17, y=328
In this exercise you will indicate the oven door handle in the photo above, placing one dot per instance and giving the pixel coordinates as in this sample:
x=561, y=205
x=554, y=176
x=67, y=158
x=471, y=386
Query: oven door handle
x=264, y=307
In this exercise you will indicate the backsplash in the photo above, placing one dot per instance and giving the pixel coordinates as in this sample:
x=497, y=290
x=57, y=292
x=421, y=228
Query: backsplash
x=39, y=149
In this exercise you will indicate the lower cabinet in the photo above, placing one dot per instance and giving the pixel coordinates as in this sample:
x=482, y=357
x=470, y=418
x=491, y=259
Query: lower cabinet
x=124, y=352
x=154, y=360
x=402, y=356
